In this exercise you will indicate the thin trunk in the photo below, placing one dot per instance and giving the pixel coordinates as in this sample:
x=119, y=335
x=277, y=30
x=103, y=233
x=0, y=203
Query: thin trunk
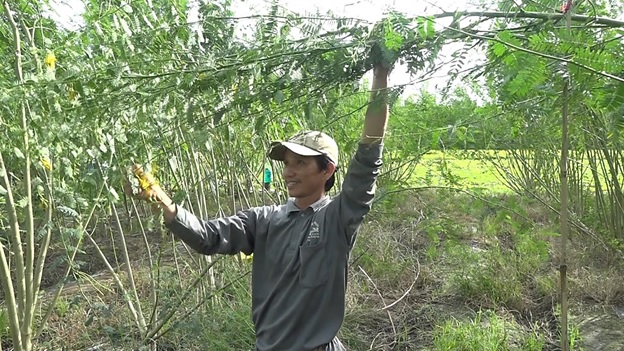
x=135, y=295
x=217, y=192
x=5, y=270
x=29, y=263
x=146, y=242
x=24, y=267
x=565, y=226
x=43, y=250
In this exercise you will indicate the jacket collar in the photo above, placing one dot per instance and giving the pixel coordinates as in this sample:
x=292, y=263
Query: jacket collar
x=291, y=207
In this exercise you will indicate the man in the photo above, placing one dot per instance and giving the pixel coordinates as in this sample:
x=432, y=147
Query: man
x=301, y=249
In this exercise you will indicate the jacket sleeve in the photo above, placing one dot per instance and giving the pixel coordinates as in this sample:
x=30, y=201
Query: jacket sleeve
x=358, y=188
x=226, y=235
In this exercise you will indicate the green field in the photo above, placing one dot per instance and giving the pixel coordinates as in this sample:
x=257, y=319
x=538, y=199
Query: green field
x=443, y=169
x=467, y=171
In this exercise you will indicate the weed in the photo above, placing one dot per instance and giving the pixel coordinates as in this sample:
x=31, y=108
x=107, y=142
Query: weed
x=546, y=283
x=574, y=333
x=574, y=337
x=225, y=325
x=484, y=276
x=62, y=307
x=533, y=340
x=4, y=324
x=486, y=332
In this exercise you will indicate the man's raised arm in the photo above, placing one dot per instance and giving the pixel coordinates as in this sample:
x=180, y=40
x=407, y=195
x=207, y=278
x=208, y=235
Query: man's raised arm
x=377, y=112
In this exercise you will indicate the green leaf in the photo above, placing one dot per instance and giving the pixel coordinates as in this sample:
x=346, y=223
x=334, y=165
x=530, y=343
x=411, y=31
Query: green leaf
x=260, y=124
x=392, y=39
x=68, y=211
x=422, y=29
x=430, y=28
x=182, y=5
x=279, y=97
x=435, y=139
x=499, y=49
x=22, y=202
x=505, y=35
x=179, y=196
x=19, y=153
x=71, y=234
x=3, y=191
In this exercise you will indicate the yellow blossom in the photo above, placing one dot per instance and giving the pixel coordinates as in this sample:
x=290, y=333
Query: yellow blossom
x=43, y=202
x=50, y=60
x=46, y=164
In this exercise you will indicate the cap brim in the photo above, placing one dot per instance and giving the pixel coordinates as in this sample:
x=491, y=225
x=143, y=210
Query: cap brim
x=278, y=149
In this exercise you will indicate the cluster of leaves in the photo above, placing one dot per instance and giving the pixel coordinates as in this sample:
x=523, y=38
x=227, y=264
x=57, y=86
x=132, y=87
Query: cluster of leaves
x=528, y=70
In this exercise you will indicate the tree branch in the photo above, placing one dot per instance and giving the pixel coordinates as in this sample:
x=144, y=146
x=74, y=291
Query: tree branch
x=609, y=22
x=540, y=54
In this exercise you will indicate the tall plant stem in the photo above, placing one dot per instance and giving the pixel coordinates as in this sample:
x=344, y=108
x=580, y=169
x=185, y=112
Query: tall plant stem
x=565, y=227
x=24, y=265
x=5, y=270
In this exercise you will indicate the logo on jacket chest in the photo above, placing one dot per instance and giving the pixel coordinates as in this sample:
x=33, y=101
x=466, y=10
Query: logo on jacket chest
x=314, y=235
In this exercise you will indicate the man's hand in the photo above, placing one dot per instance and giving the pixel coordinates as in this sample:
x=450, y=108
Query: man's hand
x=383, y=52
x=143, y=185
x=382, y=57
x=566, y=6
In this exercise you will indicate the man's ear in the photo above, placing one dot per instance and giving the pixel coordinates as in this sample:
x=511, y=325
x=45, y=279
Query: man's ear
x=331, y=168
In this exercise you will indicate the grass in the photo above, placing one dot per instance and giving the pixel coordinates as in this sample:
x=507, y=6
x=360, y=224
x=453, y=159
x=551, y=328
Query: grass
x=487, y=331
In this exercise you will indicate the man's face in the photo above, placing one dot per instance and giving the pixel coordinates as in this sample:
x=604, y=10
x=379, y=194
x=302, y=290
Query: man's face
x=303, y=176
